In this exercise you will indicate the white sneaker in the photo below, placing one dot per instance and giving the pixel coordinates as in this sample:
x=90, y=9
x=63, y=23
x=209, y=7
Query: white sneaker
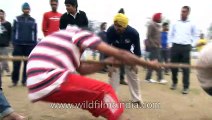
x=151, y=81
x=163, y=81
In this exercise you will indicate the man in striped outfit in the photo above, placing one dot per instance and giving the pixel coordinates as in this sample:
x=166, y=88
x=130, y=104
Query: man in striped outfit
x=53, y=65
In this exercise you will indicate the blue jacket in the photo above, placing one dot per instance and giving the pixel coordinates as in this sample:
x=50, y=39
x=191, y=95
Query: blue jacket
x=127, y=40
x=164, y=40
x=24, y=30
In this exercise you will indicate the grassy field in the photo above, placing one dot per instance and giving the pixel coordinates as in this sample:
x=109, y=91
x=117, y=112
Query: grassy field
x=172, y=104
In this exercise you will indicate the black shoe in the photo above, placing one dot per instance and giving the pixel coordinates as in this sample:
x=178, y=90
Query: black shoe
x=185, y=91
x=123, y=82
x=173, y=87
x=137, y=103
x=24, y=84
x=13, y=85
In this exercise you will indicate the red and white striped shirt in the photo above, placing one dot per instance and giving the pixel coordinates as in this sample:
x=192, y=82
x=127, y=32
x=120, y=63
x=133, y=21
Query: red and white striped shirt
x=54, y=58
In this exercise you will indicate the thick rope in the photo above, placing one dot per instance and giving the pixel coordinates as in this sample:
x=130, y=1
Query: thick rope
x=168, y=65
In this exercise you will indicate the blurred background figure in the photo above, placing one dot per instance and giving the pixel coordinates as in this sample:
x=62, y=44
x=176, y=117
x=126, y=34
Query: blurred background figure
x=51, y=19
x=24, y=40
x=183, y=35
x=154, y=43
x=73, y=16
x=146, y=51
x=122, y=69
x=201, y=42
x=121, y=11
x=5, y=39
x=0, y=77
x=164, y=45
x=103, y=35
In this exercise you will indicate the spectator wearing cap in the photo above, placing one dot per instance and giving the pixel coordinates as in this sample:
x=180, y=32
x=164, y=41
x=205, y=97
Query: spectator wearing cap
x=73, y=16
x=154, y=44
x=123, y=36
x=24, y=39
x=51, y=19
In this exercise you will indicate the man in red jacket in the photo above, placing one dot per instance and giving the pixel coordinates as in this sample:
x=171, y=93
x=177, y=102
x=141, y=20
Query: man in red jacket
x=51, y=19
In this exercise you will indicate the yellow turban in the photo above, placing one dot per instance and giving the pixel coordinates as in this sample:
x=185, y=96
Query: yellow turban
x=121, y=19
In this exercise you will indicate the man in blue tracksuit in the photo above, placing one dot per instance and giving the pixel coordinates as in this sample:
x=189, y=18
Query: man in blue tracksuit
x=123, y=36
x=24, y=40
x=164, y=45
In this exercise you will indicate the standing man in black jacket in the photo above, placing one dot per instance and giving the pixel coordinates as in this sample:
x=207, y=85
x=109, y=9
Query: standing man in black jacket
x=123, y=36
x=73, y=16
x=5, y=38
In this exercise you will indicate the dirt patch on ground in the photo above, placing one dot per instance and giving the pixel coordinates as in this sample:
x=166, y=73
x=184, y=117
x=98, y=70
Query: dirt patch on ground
x=172, y=104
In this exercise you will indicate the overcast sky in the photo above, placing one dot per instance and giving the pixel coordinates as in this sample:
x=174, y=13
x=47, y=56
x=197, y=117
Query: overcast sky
x=103, y=10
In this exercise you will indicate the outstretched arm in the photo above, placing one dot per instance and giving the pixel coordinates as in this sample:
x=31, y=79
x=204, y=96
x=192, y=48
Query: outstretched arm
x=86, y=68
x=123, y=56
x=89, y=68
